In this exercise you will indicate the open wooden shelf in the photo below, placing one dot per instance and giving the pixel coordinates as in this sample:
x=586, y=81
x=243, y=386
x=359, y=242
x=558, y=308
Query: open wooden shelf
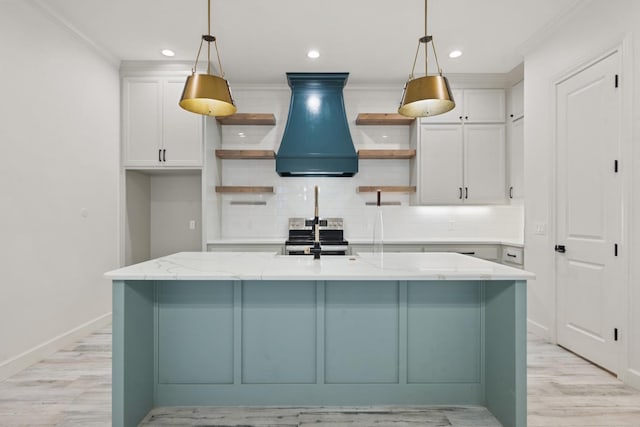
x=386, y=154
x=248, y=119
x=387, y=189
x=383, y=119
x=245, y=154
x=243, y=189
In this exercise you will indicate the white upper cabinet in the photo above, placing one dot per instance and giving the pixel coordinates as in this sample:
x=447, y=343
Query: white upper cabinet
x=516, y=160
x=517, y=101
x=484, y=164
x=454, y=116
x=441, y=164
x=462, y=164
x=156, y=131
x=474, y=106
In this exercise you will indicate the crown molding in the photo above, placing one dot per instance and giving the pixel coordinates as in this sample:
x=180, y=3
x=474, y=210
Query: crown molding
x=552, y=27
x=62, y=22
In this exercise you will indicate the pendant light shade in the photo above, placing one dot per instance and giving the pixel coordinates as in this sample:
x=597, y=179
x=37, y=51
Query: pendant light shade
x=207, y=94
x=428, y=95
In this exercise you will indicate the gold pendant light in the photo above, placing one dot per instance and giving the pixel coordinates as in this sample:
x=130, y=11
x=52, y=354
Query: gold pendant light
x=428, y=95
x=207, y=94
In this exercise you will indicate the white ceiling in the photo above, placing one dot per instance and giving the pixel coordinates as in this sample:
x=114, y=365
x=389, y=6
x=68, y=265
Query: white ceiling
x=260, y=40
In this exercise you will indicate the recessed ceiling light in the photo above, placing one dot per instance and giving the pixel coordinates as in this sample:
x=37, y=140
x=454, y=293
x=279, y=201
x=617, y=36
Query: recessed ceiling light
x=168, y=52
x=313, y=54
x=455, y=54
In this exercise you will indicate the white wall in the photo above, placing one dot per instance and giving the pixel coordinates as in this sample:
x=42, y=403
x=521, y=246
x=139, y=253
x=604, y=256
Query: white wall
x=590, y=32
x=338, y=196
x=58, y=182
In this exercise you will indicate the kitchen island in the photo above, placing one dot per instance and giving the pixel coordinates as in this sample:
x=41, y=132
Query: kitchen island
x=262, y=329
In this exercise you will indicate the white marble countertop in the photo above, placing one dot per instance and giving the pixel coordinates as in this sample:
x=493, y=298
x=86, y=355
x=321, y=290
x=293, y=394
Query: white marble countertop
x=356, y=241
x=269, y=266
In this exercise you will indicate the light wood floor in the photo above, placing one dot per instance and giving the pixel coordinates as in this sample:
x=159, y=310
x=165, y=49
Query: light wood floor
x=73, y=388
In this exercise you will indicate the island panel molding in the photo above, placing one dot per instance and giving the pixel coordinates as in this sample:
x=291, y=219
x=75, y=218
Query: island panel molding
x=443, y=329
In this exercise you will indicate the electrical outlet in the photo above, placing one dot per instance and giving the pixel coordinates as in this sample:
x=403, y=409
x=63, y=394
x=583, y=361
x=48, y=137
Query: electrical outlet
x=541, y=228
x=192, y=225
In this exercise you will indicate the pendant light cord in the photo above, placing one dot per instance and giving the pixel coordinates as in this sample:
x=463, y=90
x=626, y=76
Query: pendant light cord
x=426, y=39
x=208, y=38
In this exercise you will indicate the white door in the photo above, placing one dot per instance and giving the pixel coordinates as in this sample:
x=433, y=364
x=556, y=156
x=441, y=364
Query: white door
x=589, y=275
x=484, y=164
x=484, y=106
x=441, y=164
x=453, y=116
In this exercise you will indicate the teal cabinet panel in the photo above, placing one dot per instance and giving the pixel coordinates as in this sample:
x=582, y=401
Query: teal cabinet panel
x=506, y=351
x=361, y=332
x=195, y=332
x=278, y=332
x=444, y=332
x=133, y=352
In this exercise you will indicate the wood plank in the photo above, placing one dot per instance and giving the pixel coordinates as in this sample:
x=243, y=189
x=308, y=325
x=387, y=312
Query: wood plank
x=383, y=119
x=387, y=189
x=386, y=154
x=242, y=189
x=248, y=119
x=245, y=154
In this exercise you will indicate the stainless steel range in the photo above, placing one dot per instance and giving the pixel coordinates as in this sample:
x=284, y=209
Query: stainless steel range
x=302, y=237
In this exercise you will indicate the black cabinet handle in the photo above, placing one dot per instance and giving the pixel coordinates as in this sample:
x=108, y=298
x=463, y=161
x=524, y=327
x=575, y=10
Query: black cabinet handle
x=467, y=253
x=466, y=117
x=159, y=154
x=511, y=255
x=511, y=192
x=466, y=192
x=460, y=117
x=164, y=155
x=511, y=115
x=460, y=189
x=560, y=248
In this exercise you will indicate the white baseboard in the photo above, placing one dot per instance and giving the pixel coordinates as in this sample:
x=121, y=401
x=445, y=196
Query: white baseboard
x=632, y=378
x=36, y=354
x=538, y=329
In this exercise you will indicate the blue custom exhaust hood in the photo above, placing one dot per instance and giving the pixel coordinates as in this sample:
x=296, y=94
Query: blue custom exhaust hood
x=316, y=140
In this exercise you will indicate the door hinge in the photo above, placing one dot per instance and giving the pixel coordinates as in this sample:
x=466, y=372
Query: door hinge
x=615, y=334
x=617, y=80
x=615, y=249
x=615, y=166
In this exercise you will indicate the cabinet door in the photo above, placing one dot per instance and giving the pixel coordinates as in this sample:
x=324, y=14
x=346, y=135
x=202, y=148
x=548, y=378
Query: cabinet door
x=517, y=101
x=453, y=116
x=182, y=130
x=484, y=163
x=484, y=106
x=440, y=155
x=516, y=160
x=141, y=121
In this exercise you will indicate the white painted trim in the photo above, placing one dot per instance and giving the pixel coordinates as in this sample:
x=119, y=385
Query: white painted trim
x=631, y=377
x=537, y=329
x=58, y=19
x=547, y=31
x=36, y=354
